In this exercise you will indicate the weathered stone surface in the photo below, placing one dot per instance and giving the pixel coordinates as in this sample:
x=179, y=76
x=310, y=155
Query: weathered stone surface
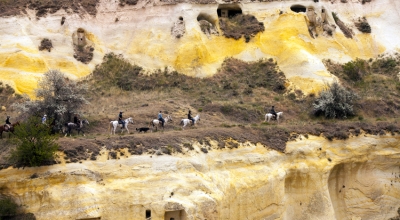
x=143, y=36
x=315, y=179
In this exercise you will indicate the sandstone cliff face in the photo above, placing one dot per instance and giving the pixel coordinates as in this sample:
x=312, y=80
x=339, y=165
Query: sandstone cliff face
x=314, y=179
x=142, y=33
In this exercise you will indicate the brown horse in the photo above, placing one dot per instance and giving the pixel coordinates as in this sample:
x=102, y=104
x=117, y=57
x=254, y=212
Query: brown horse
x=11, y=129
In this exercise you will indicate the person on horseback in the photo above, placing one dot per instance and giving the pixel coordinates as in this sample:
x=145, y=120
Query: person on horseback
x=7, y=126
x=160, y=118
x=44, y=119
x=77, y=121
x=272, y=111
x=120, y=120
x=190, y=117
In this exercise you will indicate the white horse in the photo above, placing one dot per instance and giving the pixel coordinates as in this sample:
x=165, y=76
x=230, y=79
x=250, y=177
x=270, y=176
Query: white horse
x=156, y=122
x=186, y=121
x=114, y=125
x=269, y=116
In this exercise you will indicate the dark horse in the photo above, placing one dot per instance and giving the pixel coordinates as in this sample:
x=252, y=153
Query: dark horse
x=69, y=126
x=11, y=129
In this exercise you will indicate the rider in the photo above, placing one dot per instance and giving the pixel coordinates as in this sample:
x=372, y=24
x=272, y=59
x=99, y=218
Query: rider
x=8, y=124
x=272, y=111
x=190, y=117
x=77, y=121
x=120, y=120
x=44, y=119
x=160, y=118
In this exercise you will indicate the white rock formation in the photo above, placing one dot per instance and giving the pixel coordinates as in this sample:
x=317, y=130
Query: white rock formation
x=143, y=35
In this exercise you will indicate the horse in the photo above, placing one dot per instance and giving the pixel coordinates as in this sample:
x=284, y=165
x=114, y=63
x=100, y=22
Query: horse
x=114, y=124
x=11, y=129
x=157, y=122
x=269, y=116
x=186, y=121
x=74, y=126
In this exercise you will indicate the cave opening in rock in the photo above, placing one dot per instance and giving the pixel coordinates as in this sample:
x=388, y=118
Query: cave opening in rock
x=148, y=214
x=228, y=10
x=298, y=8
x=175, y=215
x=206, y=17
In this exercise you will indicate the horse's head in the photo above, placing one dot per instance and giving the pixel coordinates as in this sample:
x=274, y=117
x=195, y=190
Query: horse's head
x=130, y=120
x=84, y=121
x=169, y=117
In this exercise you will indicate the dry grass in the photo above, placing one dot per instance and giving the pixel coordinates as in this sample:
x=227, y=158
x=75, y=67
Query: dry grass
x=227, y=110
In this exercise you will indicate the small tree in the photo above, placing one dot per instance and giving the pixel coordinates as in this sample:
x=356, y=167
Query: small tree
x=355, y=70
x=35, y=145
x=7, y=206
x=57, y=96
x=335, y=102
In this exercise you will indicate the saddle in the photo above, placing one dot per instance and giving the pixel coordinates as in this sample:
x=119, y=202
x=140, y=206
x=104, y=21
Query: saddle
x=7, y=127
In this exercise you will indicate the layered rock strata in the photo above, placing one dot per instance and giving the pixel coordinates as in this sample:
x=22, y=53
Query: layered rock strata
x=358, y=178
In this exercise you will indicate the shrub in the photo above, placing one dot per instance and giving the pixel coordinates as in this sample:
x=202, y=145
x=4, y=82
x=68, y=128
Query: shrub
x=335, y=102
x=241, y=25
x=355, y=70
x=57, y=96
x=363, y=26
x=35, y=145
x=45, y=44
x=7, y=207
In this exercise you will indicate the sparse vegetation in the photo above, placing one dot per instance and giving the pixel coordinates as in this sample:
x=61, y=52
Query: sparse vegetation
x=45, y=44
x=7, y=207
x=335, y=102
x=363, y=25
x=355, y=70
x=241, y=25
x=43, y=7
x=35, y=145
x=57, y=96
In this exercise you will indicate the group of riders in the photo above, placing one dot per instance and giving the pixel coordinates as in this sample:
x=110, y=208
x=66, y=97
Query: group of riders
x=159, y=117
x=77, y=120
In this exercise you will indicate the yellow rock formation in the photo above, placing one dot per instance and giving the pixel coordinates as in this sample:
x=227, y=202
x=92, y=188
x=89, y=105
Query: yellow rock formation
x=314, y=179
x=148, y=42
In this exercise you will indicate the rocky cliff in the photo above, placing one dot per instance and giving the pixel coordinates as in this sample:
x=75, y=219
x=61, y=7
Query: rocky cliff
x=314, y=179
x=159, y=34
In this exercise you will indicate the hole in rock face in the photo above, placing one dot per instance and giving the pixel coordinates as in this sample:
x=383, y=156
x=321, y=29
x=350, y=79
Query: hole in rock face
x=148, y=214
x=206, y=17
x=298, y=8
x=228, y=10
x=175, y=215
x=181, y=18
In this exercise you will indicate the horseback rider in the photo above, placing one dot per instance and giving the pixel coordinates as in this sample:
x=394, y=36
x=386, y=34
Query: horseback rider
x=160, y=118
x=120, y=120
x=44, y=119
x=77, y=121
x=7, y=126
x=272, y=111
x=190, y=117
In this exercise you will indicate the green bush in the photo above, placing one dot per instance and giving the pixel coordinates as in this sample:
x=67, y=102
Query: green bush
x=335, y=102
x=7, y=207
x=355, y=70
x=35, y=145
